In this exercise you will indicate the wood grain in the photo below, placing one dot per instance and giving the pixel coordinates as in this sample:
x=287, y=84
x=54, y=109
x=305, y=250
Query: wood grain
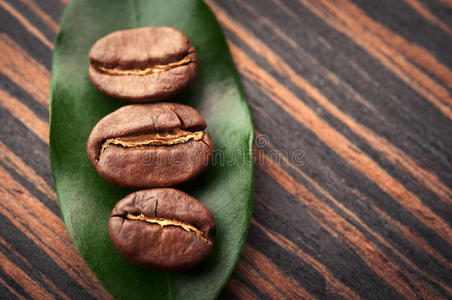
x=353, y=114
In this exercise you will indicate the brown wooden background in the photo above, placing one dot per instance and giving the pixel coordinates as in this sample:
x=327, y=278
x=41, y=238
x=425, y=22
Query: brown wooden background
x=360, y=90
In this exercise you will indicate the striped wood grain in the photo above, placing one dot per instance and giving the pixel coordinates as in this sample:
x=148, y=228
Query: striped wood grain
x=364, y=96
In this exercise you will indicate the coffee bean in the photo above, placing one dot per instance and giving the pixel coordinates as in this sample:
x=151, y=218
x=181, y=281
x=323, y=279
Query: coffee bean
x=150, y=145
x=162, y=229
x=144, y=64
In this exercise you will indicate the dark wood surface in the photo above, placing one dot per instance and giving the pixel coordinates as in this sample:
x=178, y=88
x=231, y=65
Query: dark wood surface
x=352, y=106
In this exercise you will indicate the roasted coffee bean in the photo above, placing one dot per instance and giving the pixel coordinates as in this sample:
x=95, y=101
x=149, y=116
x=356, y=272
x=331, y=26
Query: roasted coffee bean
x=162, y=229
x=150, y=145
x=144, y=64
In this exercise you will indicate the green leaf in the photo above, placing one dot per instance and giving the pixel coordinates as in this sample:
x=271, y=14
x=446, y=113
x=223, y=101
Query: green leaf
x=86, y=200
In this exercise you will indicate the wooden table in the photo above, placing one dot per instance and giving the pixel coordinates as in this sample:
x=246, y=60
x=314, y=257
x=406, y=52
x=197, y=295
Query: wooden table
x=352, y=105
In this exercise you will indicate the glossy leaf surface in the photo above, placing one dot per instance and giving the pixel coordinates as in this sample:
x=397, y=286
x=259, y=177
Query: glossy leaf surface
x=86, y=200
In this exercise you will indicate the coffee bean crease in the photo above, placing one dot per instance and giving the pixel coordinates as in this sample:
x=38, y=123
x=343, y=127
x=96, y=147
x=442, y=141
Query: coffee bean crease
x=162, y=222
x=142, y=72
x=165, y=138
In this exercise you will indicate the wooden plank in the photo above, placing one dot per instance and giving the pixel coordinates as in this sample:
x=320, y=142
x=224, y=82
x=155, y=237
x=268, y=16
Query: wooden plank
x=361, y=91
